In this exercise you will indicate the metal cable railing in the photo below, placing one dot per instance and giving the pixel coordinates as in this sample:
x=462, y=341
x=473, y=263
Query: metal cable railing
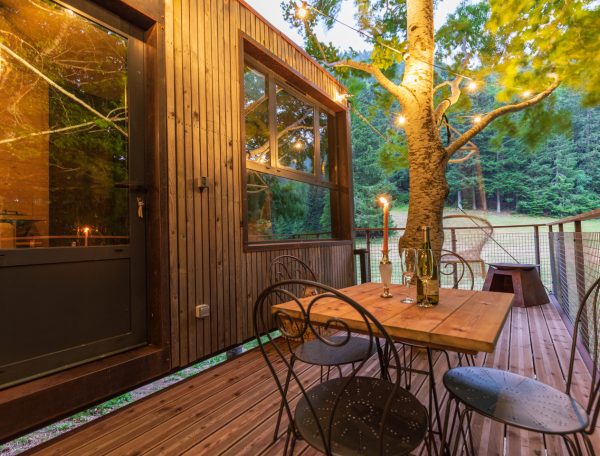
x=526, y=246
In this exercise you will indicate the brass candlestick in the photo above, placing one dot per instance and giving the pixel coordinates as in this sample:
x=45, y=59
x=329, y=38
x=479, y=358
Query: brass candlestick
x=385, y=271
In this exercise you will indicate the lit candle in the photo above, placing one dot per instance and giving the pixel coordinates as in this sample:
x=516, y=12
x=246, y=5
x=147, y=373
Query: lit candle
x=386, y=213
x=86, y=233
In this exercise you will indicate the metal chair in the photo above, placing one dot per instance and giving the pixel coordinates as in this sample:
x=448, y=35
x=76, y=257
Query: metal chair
x=351, y=414
x=527, y=403
x=311, y=349
x=455, y=266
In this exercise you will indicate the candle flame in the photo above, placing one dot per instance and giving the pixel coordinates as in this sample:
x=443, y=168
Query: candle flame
x=383, y=200
x=86, y=230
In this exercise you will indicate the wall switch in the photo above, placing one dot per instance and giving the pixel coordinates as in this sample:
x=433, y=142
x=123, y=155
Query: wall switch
x=202, y=311
x=202, y=183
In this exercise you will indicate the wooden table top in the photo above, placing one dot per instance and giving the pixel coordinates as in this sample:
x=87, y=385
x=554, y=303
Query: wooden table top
x=464, y=321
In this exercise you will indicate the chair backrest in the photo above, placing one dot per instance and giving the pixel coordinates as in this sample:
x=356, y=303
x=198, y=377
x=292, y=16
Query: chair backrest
x=586, y=327
x=304, y=312
x=470, y=241
x=289, y=267
x=457, y=269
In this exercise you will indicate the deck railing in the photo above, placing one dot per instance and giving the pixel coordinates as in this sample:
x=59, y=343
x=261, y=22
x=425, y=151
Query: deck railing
x=507, y=244
x=575, y=262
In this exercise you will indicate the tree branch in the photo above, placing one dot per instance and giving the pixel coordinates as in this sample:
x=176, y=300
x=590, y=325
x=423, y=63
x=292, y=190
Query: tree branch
x=489, y=117
x=441, y=109
x=401, y=93
x=61, y=89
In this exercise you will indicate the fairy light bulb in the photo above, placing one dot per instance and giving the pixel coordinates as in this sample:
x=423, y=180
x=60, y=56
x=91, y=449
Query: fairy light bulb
x=302, y=11
x=298, y=145
x=340, y=97
x=476, y=119
x=472, y=86
x=401, y=120
x=527, y=94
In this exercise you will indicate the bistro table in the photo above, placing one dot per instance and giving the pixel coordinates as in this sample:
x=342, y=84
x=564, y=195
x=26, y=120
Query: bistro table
x=464, y=321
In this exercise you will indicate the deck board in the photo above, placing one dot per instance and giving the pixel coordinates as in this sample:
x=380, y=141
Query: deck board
x=231, y=409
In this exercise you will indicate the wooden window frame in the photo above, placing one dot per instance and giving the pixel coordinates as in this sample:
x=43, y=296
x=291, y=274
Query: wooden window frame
x=273, y=80
x=339, y=180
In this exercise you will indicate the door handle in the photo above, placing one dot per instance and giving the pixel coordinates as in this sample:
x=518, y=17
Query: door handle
x=132, y=186
x=140, y=207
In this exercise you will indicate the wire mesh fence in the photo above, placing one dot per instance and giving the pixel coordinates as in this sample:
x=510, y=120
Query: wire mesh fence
x=479, y=249
x=576, y=266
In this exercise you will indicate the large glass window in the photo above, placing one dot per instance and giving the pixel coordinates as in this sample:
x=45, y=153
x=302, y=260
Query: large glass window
x=288, y=139
x=280, y=209
x=64, y=136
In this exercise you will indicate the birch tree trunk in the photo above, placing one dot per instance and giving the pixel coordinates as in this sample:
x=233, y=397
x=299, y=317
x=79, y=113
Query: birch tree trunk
x=427, y=155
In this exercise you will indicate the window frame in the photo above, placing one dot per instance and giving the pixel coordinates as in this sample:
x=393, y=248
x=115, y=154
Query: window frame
x=272, y=79
x=335, y=236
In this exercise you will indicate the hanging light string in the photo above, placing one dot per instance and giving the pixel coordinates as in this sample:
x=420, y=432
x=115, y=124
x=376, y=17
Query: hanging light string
x=405, y=55
x=302, y=12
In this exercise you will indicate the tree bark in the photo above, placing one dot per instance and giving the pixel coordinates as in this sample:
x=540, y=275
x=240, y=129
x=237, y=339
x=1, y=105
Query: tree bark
x=498, y=204
x=427, y=156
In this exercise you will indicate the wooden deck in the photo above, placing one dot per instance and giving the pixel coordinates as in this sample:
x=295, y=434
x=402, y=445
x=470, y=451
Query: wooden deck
x=230, y=409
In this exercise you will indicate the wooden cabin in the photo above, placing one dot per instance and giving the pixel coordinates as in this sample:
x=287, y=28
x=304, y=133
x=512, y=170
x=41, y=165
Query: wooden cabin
x=154, y=156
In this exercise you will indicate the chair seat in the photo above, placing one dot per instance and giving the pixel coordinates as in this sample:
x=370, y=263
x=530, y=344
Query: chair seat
x=355, y=429
x=516, y=400
x=319, y=353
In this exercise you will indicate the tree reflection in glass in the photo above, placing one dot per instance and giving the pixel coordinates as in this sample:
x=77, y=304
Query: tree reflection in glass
x=295, y=132
x=65, y=134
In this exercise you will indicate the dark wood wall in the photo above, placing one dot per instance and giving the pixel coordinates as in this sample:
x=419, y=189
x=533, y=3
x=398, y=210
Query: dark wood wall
x=208, y=262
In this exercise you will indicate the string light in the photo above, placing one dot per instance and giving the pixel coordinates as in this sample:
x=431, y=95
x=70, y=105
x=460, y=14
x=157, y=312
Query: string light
x=298, y=145
x=476, y=119
x=401, y=120
x=472, y=86
x=527, y=94
x=302, y=11
x=340, y=97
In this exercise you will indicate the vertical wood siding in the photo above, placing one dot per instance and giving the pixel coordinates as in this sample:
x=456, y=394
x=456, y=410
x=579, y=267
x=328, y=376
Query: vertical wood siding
x=207, y=259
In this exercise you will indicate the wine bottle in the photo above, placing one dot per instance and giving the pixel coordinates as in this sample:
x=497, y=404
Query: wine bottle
x=433, y=284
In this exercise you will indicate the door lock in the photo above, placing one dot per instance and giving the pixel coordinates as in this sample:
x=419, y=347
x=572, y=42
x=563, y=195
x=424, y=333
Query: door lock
x=140, y=207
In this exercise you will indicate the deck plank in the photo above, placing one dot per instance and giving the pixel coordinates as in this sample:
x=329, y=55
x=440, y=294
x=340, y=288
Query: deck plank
x=231, y=409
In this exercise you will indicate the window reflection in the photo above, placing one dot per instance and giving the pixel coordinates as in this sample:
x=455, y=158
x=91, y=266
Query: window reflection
x=64, y=138
x=295, y=132
x=280, y=209
x=256, y=114
x=324, y=121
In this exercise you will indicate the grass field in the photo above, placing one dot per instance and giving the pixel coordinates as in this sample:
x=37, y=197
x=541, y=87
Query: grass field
x=504, y=218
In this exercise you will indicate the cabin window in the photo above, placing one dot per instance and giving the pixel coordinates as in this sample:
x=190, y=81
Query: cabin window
x=288, y=144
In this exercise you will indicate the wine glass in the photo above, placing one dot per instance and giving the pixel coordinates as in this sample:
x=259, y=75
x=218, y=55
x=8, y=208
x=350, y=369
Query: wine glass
x=425, y=271
x=408, y=263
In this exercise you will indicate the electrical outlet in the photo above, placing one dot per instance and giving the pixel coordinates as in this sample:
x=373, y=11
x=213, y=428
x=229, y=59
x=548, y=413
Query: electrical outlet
x=202, y=311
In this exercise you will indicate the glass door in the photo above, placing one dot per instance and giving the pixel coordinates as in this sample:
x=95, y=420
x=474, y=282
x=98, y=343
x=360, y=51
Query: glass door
x=72, y=247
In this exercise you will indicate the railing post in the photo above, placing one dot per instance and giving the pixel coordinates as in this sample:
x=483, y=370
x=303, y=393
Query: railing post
x=536, y=244
x=455, y=271
x=580, y=278
x=553, y=265
x=365, y=264
x=563, y=291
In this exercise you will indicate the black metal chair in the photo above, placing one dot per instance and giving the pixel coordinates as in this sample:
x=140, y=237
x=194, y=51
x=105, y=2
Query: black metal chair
x=352, y=414
x=455, y=266
x=312, y=350
x=527, y=403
